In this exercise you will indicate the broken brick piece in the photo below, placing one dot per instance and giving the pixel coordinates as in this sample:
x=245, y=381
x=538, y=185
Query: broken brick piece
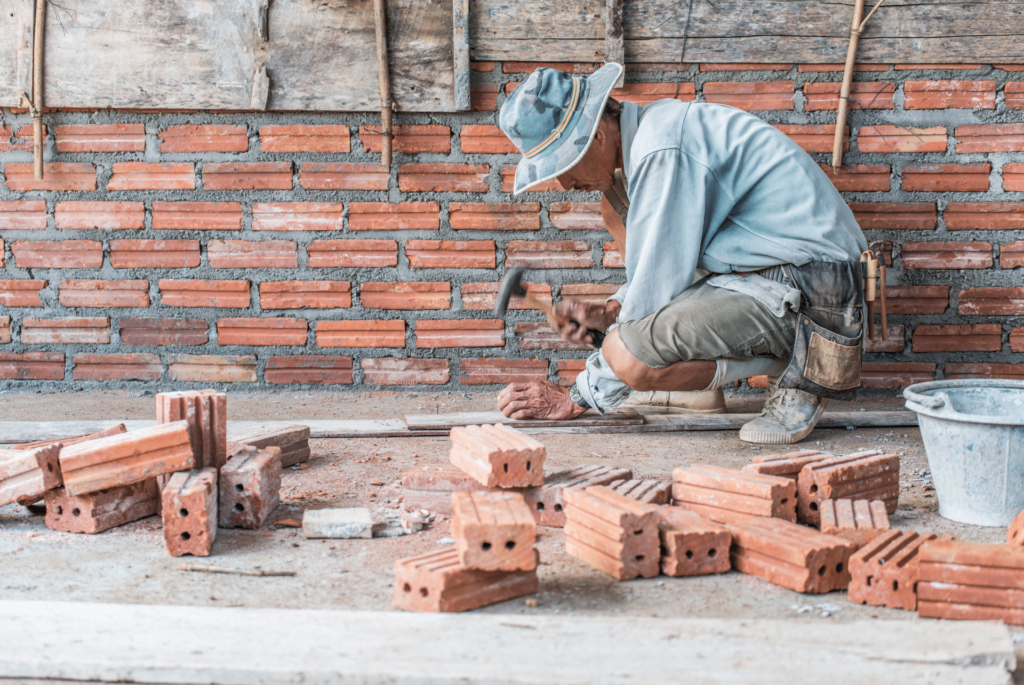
x=785, y=465
x=189, y=510
x=436, y=581
x=865, y=517
x=1015, y=532
x=101, y=510
x=498, y=456
x=612, y=532
x=885, y=572
x=127, y=458
x=432, y=488
x=971, y=581
x=647, y=491
x=691, y=545
x=249, y=487
x=546, y=501
x=291, y=438
x=863, y=475
x=207, y=415
x=494, y=531
x=26, y=474
x=747, y=493
x=72, y=440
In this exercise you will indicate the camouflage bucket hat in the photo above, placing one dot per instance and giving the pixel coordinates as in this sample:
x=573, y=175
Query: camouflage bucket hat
x=552, y=118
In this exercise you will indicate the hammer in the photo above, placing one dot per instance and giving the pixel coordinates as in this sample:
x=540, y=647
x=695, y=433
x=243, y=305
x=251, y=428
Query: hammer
x=512, y=284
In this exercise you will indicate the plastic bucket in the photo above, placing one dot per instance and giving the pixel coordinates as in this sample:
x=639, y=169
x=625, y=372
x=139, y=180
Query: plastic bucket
x=973, y=432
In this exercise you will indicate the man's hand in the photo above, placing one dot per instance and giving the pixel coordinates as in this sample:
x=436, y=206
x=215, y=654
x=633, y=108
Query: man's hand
x=578, y=317
x=537, y=400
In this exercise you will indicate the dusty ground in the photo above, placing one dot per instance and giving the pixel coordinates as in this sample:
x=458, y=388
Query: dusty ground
x=129, y=564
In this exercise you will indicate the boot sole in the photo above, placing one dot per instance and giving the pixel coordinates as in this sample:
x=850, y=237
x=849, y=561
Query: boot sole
x=781, y=438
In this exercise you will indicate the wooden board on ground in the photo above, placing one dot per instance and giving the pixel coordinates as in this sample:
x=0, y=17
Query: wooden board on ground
x=621, y=417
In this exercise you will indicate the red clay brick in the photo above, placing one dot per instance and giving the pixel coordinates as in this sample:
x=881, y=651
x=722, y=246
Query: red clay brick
x=485, y=139
x=297, y=216
x=584, y=216
x=154, y=254
x=986, y=337
x=481, y=66
x=949, y=95
x=1010, y=256
x=992, y=302
x=101, y=138
x=261, y=332
x=21, y=293
x=6, y=133
x=984, y=216
x=895, y=343
x=197, y=216
x=744, y=492
x=840, y=67
x=508, y=176
x=152, y=176
x=413, y=138
x=814, y=137
x=332, y=176
x=390, y=371
x=990, y=138
x=889, y=139
x=79, y=293
x=969, y=581
x=23, y=215
x=205, y=413
x=1009, y=67
x=493, y=531
x=95, y=513
x=859, y=178
x=63, y=254
x=211, y=369
x=893, y=375
x=1017, y=339
x=65, y=331
x=459, y=333
x=546, y=501
x=859, y=520
x=1013, y=177
x=786, y=465
x=751, y=66
x=5, y=329
x=646, y=93
x=751, y=97
x=100, y=215
x=432, y=488
x=498, y=456
x=863, y=95
x=357, y=253
x=494, y=217
x=305, y=295
x=647, y=491
x=117, y=367
x=31, y=366
x=365, y=333
x=249, y=488
x=530, y=67
x=1009, y=371
x=483, y=97
x=540, y=336
x=204, y=138
x=191, y=293
x=485, y=295
x=437, y=582
x=965, y=178
x=886, y=571
x=299, y=138
x=691, y=545
x=443, y=178
x=904, y=216
x=164, y=332
x=596, y=293
x=561, y=254
x=247, y=176
x=408, y=296
x=947, y=255
x=189, y=506
x=384, y=216
x=27, y=135
x=56, y=176
x=308, y=369
x=491, y=371
x=915, y=299
x=243, y=254
x=932, y=67
x=25, y=475
x=612, y=258
x=612, y=533
x=451, y=254
x=864, y=475
x=1013, y=95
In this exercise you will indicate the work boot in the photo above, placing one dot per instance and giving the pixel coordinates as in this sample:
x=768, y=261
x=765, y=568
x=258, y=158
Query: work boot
x=679, y=401
x=788, y=416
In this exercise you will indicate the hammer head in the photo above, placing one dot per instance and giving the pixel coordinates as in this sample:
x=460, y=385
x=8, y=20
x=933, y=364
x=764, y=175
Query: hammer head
x=511, y=285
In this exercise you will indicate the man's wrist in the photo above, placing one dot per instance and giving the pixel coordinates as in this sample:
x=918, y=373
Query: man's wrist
x=611, y=312
x=577, y=398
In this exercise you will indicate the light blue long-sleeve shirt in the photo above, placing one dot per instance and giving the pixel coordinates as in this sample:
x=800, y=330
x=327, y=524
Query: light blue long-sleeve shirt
x=714, y=188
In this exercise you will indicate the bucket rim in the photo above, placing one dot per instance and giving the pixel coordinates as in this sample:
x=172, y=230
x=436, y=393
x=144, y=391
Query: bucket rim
x=921, y=400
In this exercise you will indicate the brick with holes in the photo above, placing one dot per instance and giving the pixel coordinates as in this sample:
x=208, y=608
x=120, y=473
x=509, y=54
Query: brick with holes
x=206, y=412
x=691, y=545
x=498, y=456
x=26, y=474
x=432, y=488
x=885, y=572
x=103, y=510
x=612, y=533
x=494, y=531
x=189, y=511
x=291, y=438
x=747, y=493
x=437, y=582
x=971, y=581
x=546, y=501
x=859, y=520
x=249, y=487
x=648, y=491
x=786, y=465
x=863, y=475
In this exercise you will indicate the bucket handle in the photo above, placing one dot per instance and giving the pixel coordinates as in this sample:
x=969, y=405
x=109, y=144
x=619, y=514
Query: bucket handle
x=933, y=402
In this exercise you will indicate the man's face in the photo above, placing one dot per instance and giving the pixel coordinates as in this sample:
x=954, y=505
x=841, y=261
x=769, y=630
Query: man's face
x=596, y=171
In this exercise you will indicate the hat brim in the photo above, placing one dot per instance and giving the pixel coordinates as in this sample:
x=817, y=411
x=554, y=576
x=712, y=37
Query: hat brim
x=575, y=142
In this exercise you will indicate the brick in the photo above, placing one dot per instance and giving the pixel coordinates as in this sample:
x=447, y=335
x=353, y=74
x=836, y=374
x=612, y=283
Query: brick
x=934, y=178
x=498, y=456
x=205, y=413
x=58, y=254
x=814, y=137
x=584, y=216
x=895, y=374
x=493, y=531
x=437, y=582
x=861, y=516
x=162, y=332
x=491, y=371
x=79, y=293
x=100, y=215
x=6, y=133
x=751, y=97
x=989, y=138
x=299, y=138
x=744, y=492
x=249, y=488
x=594, y=293
x=508, y=176
x=540, y=336
x=485, y=139
x=334, y=176
x=411, y=139
x=192, y=293
x=103, y=510
x=1013, y=177
x=152, y=176
x=1010, y=256
x=1007, y=371
x=949, y=95
x=560, y=254
x=895, y=343
x=406, y=296
x=888, y=139
x=1015, y=531
x=404, y=216
x=502, y=216
x=297, y=216
x=432, y=488
x=1017, y=339
x=211, y=369
x=189, y=511
x=692, y=545
x=646, y=93
x=786, y=465
x=60, y=176
x=612, y=533
x=244, y=254
x=863, y=95
x=891, y=216
x=309, y=369
x=101, y=138
x=931, y=67
x=1013, y=95
x=947, y=255
x=197, y=216
x=530, y=67
x=154, y=254
x=305, y=295
x=612, y=258
x=647, y=491
x=204, y=138
x=65, y=331
x=459, y=333
x=119, y=429
x=390, y=371
x=1009, y=67
x=885, y=572
x=26, y=474
x=21, y=293
x=291, y=439
x=863, y=475
x=483, y=97
x=914, y=299
x=127, y=458
x=443, y=178
x=959, y=338
x=984, y=216
x=451, y=254
x=840, y=67
x=859, y=178
x=5, y=329
x=31, y=366
x=261, y=332
x=744, y=67
x=117, y=367
x=23, y=215
x=352, y=253
x=546, y=501
x=376, y=333
x=485, y=295
x=566, y=371
x=992, y=302
x=247, y=176
x=970, y=581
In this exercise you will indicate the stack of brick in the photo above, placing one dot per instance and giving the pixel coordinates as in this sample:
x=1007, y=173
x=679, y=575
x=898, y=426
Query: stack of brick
x=885, y=572
x=785, y=465
x=647, y=491
x=547, y=502
x=857, y=520
x=292, y=439
x=864, y=475
x=715, y=492
x=612, y=532
x=691, y=545
x=971, y=581
x=205, y=412
x=498, y=456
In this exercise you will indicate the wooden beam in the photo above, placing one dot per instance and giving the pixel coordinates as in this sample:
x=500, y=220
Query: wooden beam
x=614, y=37
x=623, y=417
x=380, y=21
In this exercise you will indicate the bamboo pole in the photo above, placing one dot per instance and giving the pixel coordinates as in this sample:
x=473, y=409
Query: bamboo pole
x=37, y=90
x=844, y=91
x=386, y=106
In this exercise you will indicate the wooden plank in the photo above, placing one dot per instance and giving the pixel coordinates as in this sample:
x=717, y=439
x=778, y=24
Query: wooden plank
x=614, y=37
x=460, y=47
x=13, y=30
x=416, y=422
